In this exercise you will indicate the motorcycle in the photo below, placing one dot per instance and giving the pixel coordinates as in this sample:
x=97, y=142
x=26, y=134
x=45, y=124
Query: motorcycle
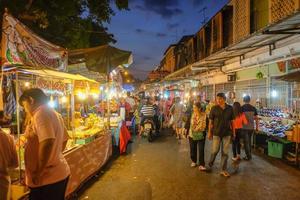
x=149, y=129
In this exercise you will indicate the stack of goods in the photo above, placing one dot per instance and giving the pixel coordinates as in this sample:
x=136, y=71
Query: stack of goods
x=114, y=106
x=294, y=134
x=84, y=132
x=114, y=121
x=266, y=112
x=274, y=127
x=89, y=129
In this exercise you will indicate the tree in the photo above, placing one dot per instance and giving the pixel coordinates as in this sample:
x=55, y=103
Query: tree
x=68, y=23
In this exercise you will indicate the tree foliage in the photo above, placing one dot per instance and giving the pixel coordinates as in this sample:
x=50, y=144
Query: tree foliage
x=68, y=23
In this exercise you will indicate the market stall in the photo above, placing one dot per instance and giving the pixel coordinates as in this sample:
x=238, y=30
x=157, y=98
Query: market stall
x=86, y=133
x=277, y=103
x=293, y=135
x=108, y=60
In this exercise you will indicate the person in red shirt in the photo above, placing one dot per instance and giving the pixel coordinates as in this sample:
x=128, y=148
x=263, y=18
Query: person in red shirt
x=238, y=122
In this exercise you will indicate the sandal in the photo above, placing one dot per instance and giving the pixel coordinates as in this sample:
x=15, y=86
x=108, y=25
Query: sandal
x=193, y=164
x=225, y=174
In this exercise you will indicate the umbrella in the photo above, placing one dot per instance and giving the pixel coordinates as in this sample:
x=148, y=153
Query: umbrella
x=102, y=58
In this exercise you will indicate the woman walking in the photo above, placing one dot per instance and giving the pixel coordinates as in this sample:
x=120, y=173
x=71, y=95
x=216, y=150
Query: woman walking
x=197, y=136
x=177, y=111
x=188, y=113
x=239, y=120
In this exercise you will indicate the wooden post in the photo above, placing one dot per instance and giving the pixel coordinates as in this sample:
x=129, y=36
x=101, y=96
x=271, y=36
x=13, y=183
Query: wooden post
x=73, y=111
x=107, y=96
x=18, y=125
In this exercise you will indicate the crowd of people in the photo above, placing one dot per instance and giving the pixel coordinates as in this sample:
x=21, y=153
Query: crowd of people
x=198, y=120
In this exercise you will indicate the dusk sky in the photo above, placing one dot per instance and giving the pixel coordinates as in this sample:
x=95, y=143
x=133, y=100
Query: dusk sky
x=152, y=25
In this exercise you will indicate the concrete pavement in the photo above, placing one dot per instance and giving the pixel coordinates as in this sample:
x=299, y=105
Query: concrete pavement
x=161, y=171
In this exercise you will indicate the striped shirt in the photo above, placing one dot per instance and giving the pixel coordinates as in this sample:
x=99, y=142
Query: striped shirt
x=148, y=111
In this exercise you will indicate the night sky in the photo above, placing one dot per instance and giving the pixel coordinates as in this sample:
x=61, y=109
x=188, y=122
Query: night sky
x=152, y=25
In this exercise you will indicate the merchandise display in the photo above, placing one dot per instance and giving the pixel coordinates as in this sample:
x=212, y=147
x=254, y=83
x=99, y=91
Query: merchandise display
x=275, y=126
x=266, y=112
x=87, y=129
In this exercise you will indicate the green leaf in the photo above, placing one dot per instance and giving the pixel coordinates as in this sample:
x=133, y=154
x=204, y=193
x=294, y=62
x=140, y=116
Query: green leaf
x=68, y=23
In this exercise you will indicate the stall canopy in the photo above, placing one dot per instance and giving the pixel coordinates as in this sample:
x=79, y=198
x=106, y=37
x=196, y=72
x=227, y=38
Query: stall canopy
x=101, y=59
x=57, y=74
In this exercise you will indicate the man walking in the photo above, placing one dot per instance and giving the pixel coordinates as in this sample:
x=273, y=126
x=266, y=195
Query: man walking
x=147, y=112
x=248, y=129
x=46, y=169
x=220, y=131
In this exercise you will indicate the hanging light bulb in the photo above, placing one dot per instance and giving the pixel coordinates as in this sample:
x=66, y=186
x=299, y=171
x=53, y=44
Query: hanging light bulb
x=95, y=95
x=274, y=93
x=27, y=84
x=51, y=103
x=64, y=99
x=81, y=96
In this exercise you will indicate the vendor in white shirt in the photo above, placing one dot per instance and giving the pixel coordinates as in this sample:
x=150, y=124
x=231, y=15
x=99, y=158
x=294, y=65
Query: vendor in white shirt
x=130, y=100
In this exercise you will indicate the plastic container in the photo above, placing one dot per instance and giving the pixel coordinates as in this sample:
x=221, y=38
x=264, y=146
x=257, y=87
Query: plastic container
x=275, y=149
x=85, y=140
x=290, y=135
x=296, y=136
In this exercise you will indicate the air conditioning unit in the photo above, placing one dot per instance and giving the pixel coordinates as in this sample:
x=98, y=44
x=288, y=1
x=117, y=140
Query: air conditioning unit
x=231, y=77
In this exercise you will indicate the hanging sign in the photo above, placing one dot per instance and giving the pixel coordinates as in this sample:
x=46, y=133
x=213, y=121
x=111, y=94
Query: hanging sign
x=281, y=66
x=55, y=85
x=94, y=87
x=80, y=85
x=20, y=46
x=292, y=64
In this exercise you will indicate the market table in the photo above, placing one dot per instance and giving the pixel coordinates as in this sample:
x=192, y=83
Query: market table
x=86, y=160
x=275, y=146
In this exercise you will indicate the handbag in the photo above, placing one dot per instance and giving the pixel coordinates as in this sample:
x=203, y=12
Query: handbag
x=197, y=135
x=171, y=121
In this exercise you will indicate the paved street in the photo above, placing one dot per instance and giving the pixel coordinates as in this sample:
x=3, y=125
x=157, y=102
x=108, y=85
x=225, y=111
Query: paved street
x=161, y=170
